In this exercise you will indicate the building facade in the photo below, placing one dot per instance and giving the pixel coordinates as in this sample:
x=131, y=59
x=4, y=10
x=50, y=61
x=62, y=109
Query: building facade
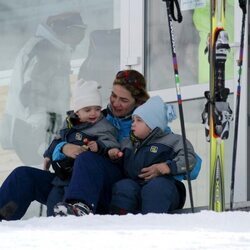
x=134, y=34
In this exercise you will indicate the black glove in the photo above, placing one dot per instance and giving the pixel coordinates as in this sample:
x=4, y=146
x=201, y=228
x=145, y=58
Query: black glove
x=63, y=168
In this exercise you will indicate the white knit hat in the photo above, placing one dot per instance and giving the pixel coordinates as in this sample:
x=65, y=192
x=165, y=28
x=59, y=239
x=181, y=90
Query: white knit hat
x=85, y=94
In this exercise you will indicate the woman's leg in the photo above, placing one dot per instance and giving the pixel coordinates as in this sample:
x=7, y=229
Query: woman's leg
x=56, y=194
x=92, y=180
x=125, y=197
x=159, y=195
x=21, y=187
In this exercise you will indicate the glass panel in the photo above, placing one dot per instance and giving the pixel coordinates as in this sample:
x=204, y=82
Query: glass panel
x=190, y=42
x=40, y=62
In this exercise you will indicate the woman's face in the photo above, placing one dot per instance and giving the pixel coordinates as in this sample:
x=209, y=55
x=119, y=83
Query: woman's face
x=121, y=100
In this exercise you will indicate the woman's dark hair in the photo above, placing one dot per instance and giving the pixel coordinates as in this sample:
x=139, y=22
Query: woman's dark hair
x=134, y=82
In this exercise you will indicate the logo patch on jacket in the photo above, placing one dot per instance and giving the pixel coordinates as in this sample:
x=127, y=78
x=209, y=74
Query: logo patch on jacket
x=78, y=136
x=153, y=149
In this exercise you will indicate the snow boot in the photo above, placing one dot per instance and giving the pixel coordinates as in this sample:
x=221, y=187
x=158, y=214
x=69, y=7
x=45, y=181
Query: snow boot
x=65, y=209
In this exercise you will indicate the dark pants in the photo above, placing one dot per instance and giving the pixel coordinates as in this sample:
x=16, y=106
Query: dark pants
x=56, y=194
x=21, y=187
x=159, y=195
x=92, y=180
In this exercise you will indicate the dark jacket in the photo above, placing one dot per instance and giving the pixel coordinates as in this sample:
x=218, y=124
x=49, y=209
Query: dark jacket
x=74, y=132
x=156, y=148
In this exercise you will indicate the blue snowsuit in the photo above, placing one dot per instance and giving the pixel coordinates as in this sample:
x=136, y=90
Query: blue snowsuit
x=161, y=194
x=94, y=175
x=74, y=132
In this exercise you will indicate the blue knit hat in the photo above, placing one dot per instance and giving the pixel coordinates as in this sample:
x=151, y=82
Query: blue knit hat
x=155, y=113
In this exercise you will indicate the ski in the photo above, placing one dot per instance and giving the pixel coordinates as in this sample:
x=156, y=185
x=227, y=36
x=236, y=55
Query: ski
x=242, y=4
x=217, y=113
x=170, y=4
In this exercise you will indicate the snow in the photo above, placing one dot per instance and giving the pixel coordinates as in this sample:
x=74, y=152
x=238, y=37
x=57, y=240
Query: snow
x=202, y=230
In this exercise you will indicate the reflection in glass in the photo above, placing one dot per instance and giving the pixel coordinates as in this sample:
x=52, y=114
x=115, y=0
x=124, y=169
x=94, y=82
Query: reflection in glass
x=190, y=43
x=39, y=91
x=43, y=64
x=159, y=69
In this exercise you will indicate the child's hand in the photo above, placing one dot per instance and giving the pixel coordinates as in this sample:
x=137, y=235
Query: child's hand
x=85, y=146
x=92, y=145
x=46, y=163
x=115, y=153
x=154, y=170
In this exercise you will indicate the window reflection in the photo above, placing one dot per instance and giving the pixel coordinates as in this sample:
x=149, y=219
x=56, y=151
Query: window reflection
x=190, y=42
x=159, y=69
x=38, y=66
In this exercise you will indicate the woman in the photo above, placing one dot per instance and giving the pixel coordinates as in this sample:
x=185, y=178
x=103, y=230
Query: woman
x=94, y=175
x=26, y=184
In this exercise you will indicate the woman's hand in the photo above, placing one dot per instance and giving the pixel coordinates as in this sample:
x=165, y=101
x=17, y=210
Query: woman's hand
x=46, y=163
x=154, y=171
x=72, y=150
x=115, y=153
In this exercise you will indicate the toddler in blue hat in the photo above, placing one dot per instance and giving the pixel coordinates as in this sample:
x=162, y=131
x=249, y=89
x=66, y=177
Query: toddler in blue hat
x=150, y=158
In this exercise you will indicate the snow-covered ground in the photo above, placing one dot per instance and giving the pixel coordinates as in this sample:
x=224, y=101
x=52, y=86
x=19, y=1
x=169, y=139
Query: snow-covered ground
x=202, y=230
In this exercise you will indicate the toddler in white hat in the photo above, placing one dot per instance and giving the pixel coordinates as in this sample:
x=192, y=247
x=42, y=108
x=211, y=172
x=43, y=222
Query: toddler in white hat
x=85, y=127
x=86, y=93
x=87, y=102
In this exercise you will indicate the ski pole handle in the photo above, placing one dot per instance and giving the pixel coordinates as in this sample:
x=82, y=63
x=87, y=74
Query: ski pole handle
x=242, y=4
x=172, y=4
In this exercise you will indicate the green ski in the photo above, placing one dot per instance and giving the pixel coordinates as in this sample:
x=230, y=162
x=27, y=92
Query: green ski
x=217, y=113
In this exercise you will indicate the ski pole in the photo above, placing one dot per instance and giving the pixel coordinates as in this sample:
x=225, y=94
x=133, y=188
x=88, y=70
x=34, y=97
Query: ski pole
x=50, y=131
x=171, y=16
x=242, y=4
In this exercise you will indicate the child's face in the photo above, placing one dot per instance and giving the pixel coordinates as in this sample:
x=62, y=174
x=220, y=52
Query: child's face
x=89, y=114
x=140, y=128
